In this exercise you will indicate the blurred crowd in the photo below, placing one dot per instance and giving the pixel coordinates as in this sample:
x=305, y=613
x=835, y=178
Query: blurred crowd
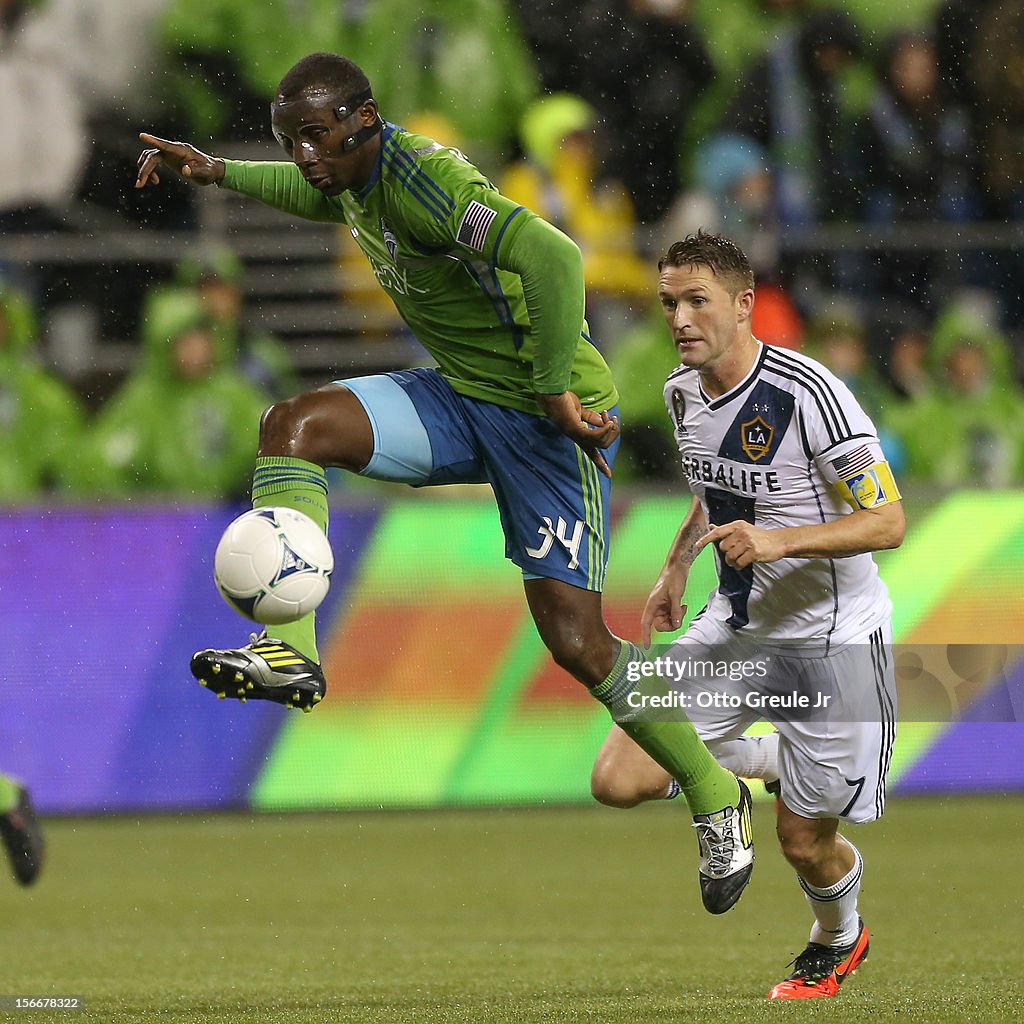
x=868, y=157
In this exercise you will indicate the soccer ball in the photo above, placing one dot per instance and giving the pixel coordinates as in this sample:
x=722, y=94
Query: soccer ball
x=273, y=565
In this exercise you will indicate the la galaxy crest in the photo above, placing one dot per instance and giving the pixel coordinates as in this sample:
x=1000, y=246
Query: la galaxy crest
x=756, y=438
x=759, y=426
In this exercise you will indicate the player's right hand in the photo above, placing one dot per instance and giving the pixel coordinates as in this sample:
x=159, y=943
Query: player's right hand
x=590, y=429
x=664, y=610
x=186, y=160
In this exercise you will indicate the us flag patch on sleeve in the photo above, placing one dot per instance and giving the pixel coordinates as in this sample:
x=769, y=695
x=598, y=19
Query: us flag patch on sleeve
x=853, y=462
x=473, y=227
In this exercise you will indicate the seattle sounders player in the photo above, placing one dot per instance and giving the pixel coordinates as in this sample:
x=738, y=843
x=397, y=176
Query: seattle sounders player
x=520, y=399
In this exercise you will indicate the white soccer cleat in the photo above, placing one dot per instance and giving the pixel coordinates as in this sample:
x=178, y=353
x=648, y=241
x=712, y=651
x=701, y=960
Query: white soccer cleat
x=726, y=842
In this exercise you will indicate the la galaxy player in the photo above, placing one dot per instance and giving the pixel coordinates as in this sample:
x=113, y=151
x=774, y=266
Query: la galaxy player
x=792, y=488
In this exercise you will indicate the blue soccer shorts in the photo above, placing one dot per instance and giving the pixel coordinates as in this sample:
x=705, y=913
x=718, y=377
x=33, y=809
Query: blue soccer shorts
x=552, y=499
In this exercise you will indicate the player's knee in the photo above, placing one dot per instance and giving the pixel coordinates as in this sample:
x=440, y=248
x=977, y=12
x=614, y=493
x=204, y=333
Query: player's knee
x=283, y=426
x=327, y=426
x=617, y=785
x=570, y=650
x=804, y=849
x=613, y=791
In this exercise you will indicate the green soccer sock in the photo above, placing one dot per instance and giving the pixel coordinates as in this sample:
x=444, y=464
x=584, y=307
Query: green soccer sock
x=301, y=485
x=675, y=745
x=8, y=794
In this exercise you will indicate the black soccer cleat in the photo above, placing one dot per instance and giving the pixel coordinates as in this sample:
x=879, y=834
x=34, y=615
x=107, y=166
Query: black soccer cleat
x=726, y=842
x=23, y=839
x=265, y=669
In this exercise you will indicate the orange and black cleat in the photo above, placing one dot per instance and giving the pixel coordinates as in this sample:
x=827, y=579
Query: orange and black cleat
x=820, y=970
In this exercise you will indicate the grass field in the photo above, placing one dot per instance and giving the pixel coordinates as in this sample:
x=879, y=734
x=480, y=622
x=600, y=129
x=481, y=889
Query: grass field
x=542, y=915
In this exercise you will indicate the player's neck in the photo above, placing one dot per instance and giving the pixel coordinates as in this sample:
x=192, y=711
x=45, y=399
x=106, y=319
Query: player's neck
x=731, y=367
x=369, y=154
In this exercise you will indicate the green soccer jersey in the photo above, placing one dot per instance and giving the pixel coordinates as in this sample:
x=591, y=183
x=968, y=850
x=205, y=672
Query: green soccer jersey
x=492, y=292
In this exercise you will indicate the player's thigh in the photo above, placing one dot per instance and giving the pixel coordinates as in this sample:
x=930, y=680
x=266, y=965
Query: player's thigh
x=420, y=435
x=835, y=763
x=698, y=666
x=553, y=501
x=327, y=426
x=834, y=772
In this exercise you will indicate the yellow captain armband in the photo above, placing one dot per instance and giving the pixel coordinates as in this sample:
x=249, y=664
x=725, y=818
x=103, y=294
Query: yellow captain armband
x=870, y=488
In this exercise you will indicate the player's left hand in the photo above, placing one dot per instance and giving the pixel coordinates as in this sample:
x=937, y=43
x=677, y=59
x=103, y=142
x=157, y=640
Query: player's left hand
x=590, y=429
x=192, y=164
x=741, y=543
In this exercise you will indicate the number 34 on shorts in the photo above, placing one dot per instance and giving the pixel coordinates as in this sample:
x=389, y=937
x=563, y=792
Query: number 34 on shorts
x=559, y=531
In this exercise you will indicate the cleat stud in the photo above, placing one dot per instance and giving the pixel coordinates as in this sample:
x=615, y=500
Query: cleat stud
x=202, y=682
x=296, y=696
x=241, y=691
x=249, y=686
x=221, y=696
x=216, y=669
x=243, y=700
x=317, y=698
x=307, y=710
x=239, y=677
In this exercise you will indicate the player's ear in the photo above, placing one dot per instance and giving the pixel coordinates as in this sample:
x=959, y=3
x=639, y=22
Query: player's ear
x=368, y=112
x=744, y=305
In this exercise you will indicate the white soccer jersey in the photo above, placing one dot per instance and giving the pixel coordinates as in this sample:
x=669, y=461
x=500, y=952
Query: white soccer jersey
x=788, y=446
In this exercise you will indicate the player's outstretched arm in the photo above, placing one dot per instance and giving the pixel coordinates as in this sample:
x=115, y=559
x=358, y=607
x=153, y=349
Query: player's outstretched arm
x=276, y=183
x=184, y=159
x=664, y=609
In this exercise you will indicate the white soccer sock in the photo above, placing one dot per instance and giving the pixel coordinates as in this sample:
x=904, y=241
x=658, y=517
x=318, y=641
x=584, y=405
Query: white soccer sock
x=836, y=921
x=752, y=757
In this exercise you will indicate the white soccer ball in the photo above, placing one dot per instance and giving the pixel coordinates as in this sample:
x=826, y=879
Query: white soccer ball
x=273, y=565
